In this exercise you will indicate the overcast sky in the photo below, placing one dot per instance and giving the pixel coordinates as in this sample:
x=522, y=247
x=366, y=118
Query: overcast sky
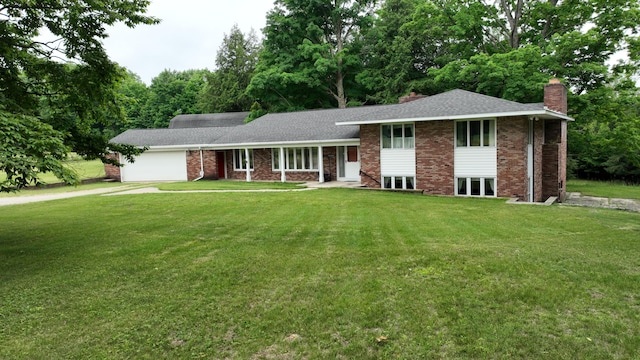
x=188, y=36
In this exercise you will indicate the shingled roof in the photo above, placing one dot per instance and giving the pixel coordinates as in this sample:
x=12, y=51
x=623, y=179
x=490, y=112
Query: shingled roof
x=171, y=137
x=229, y=119
x=454, y=104
x=324, y=126
x=301, y=126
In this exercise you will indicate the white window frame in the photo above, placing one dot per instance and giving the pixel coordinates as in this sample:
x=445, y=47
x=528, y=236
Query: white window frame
x=393, y=181
x=492, y=136
x=407, y=142
x=298, y=158
x=483, y=190
x=239, y=158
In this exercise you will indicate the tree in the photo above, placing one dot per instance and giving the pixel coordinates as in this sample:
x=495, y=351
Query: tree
x=225, y=88
x=133, y=96
x=173, y=93
x=311, y=54
x=54, y=93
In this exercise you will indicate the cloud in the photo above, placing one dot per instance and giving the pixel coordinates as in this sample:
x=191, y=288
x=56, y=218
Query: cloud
x=188, y=37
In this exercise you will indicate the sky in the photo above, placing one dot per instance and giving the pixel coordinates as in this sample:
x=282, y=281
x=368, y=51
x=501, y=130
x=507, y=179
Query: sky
x=188, y=36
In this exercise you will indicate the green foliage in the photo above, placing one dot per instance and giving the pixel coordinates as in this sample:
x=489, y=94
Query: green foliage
x=605, y=140
x=67, y=82
x=173, y=93
x=225, y=89
x=29, y=147
x=133, y=96
x=311, y=54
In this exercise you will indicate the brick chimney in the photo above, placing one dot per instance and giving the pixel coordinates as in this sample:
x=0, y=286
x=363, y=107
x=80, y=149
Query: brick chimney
x=555, y=96
x=411, y=97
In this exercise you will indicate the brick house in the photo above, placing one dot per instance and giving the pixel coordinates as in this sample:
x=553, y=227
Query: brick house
x=455, y=143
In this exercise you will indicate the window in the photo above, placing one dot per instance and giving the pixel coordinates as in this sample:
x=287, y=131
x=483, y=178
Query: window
x=398, y=136
x=296, y=159
x=398, y=182
x=475, y=187
x=476, y=133
x=240, y=160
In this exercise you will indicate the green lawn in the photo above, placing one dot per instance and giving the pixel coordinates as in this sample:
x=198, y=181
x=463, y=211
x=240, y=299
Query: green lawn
x=322, y=274
x=228, y=185
x=85, y=169
x=604, y=189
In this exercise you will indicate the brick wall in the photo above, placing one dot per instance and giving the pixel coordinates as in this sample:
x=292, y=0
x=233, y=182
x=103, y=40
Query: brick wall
x=512, y=142
x=554, y=157
x=263, y=170
x=112, y=171
x=435, y=157
x=209, y=161
x=538, y=128
x=370, y=154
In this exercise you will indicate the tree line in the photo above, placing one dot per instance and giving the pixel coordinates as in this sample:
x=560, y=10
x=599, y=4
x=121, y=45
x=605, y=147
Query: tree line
x=339, y=53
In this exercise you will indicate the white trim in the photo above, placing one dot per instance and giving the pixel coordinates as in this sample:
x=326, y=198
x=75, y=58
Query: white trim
x=247, y=162
x=283, y=172
x=320, y=165
x=482, y=187
x=270, y=145
x=550, y=113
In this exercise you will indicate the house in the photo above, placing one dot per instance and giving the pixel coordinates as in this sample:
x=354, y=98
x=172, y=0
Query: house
x=455, y=143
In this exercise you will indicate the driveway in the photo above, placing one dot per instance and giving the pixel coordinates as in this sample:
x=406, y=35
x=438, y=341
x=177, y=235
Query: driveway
x=29, y=198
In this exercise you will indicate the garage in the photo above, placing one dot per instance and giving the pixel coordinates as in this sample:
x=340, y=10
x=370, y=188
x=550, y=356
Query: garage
x=156, y=166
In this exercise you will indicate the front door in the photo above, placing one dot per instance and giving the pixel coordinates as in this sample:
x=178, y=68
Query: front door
x=222, y=169
x=348, y=163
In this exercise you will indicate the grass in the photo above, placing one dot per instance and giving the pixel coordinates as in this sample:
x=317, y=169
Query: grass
x=227, y=185
x=332, y=273
x=604, y=189
x=85, y=169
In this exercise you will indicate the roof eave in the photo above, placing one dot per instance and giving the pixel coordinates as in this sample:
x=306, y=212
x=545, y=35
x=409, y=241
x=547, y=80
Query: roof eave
x=272, y=144
x=542, y=112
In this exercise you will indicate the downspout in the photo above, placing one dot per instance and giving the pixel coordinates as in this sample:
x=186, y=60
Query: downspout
x=201, y=167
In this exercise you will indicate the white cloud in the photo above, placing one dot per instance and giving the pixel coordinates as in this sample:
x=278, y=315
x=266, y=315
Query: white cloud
x=188, y=36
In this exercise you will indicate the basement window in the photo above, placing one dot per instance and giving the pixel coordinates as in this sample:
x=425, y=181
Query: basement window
x=475, y=186
x=399, y=182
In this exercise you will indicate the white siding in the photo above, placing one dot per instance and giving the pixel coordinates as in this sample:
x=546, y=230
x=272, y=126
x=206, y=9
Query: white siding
x=156, y=166
x=398, y=162
x=476, y=161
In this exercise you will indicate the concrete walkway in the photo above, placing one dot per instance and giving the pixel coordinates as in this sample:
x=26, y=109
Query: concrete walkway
x=577, y=199
x=34, y=197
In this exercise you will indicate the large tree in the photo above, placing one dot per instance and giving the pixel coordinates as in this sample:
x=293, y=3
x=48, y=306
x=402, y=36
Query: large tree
x=54, y=92
x=225, y=89
x=133, y=96
x=311, y=54
x=173, y=93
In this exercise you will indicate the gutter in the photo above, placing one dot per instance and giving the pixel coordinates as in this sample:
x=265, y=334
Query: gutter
x=201, y=167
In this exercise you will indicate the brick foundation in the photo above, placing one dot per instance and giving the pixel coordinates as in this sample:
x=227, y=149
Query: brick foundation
x=435, y=157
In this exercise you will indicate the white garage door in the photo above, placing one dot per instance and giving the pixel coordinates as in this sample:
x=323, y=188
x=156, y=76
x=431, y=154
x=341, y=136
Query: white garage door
x=156, y=166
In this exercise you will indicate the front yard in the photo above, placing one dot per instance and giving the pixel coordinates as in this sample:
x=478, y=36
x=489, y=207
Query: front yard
x=346, y=274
